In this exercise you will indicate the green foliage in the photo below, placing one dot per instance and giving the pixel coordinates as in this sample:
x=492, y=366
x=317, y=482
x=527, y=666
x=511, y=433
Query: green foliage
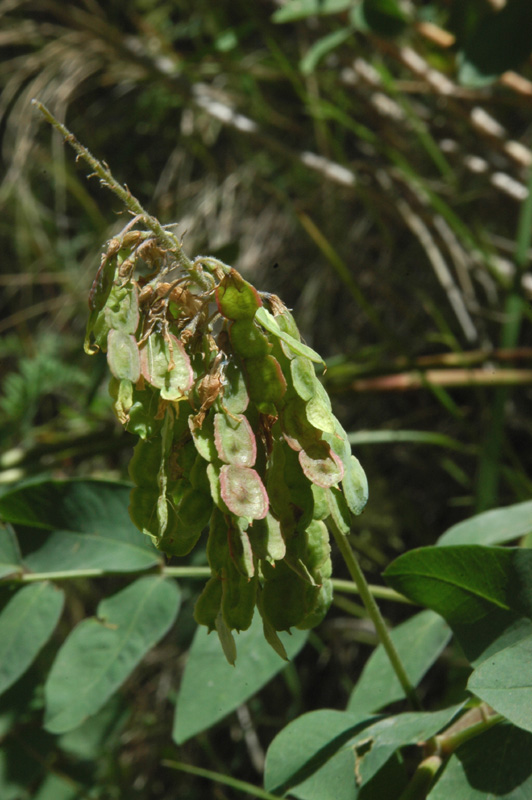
x=342, y=155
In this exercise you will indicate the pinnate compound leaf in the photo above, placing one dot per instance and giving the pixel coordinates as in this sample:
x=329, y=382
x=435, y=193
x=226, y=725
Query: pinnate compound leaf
x=484, y=593
x=504, y=681
x=123, y=356
x=26, y=623
x=243, y=492
x=495, y=764
x=91, y=524
x=419, y=642
x=101, y=652
x=211, y=688
x=492, y=527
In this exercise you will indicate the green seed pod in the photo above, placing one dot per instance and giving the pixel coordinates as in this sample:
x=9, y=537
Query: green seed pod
x=235, y=396
x=265, y=380
x=266, y=539
x=193, y=514
x=238, y=598
x=287, y=599
x=123, y=356
x=236, y=298
x=318, y=549
x=209, y=603
x=243, y=492
x=321, y=505
x=298, y=432
x=303, y=377
x=247, y=339
x=240, y=549
x=145, y=463
x=143, y=509
x=322, y=604
x=165, y=365
x=321, y=465
x=142, y=414
x=217, y=543
x=204, y=437
x=235, y=440
x=122, y=308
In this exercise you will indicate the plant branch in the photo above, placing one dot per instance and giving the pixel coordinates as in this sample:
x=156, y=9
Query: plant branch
x=122, y=192
x=375, y=614
x=218, y=777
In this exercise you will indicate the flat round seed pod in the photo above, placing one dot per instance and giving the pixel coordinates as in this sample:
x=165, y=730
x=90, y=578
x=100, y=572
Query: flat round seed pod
x=123, y=356
x=235, y=440
x=243, y=492
x=236, y=298
x=165, y=365
x=247, y=339
x=321, y=465
x=265, y=380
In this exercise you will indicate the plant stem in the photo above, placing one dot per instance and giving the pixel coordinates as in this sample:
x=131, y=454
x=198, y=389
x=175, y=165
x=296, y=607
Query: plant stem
x=72, y=574
x=382, y=592
x=422, y=779
x=375, y=615
x=228, y=780
x=129, y=200
x=448, y=743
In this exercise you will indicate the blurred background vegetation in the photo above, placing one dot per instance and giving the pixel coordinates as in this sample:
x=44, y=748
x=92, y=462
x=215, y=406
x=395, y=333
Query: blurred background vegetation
x=368, y=161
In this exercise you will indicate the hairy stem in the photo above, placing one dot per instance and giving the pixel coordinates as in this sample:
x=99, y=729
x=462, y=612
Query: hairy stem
x=129, y=200
x=375, y=615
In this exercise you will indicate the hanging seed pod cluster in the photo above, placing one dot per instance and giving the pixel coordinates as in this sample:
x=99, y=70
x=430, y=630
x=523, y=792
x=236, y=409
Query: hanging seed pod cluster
x=237, y=439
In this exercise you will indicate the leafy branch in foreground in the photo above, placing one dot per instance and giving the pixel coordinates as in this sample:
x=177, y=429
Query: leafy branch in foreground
x=236, y=432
